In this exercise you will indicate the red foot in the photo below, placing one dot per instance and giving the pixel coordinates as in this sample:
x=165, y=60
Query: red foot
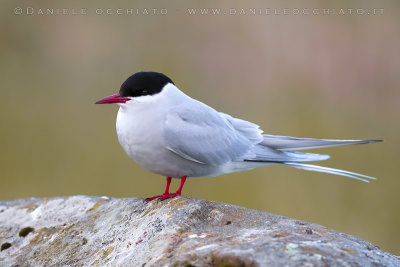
x=167, y=194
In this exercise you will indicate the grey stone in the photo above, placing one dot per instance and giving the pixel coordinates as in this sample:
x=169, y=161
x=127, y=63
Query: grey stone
x=102, y=231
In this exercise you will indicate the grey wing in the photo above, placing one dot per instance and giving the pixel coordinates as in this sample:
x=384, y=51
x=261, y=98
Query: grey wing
x=263, y=152
x=201, y=134
x=294, y=143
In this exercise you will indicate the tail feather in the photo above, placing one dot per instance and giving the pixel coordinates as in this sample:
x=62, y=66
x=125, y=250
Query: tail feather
x=282, y=150
x=316, y=168
x=293, y=143
x=266, y=154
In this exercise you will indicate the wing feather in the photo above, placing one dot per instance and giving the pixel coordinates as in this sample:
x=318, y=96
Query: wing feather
x=294, y=143
x=201, y=134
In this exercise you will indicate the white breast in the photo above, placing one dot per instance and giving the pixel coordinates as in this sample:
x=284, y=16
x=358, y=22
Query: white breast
x=139, y=135
x=140, y=132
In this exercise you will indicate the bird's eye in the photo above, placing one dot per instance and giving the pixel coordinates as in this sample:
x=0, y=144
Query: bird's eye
x=145, y=92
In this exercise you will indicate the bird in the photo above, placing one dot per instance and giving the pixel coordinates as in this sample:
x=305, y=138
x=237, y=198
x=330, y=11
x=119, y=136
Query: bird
x=171, y=134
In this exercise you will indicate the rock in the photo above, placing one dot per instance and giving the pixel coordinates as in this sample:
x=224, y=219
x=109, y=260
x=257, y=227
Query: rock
x=84, y=231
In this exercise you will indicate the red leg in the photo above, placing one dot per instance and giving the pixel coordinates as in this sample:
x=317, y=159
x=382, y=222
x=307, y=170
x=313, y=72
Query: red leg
x=169, y=179
x=178, y=192
x=166, y=194
x=183, y=180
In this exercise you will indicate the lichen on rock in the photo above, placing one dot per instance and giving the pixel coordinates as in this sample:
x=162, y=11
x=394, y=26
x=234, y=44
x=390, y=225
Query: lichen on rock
x=102, y=231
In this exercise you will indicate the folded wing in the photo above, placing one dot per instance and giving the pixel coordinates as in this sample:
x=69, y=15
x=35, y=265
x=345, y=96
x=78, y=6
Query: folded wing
x=294, y=143
x=200, y=134
x=205, y=136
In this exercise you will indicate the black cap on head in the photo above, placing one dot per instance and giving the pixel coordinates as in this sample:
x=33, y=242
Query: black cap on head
x=144, y=83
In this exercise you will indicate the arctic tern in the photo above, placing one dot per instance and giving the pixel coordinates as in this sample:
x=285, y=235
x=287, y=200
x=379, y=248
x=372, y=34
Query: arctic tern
x=171, y=134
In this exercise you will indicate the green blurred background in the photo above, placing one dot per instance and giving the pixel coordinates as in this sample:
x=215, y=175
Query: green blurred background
x=322, y=76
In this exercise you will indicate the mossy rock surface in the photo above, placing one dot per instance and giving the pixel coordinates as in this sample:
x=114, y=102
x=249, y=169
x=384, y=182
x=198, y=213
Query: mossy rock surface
x=84, y=231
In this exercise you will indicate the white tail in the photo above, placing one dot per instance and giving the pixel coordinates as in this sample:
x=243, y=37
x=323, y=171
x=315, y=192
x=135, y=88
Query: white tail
x=293, y=143
x=316, y=168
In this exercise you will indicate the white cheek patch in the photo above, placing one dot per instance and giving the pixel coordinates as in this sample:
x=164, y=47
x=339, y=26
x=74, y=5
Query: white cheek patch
x=165, y=93
x=145, y=98
x=152, y=98
x=138, y=100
